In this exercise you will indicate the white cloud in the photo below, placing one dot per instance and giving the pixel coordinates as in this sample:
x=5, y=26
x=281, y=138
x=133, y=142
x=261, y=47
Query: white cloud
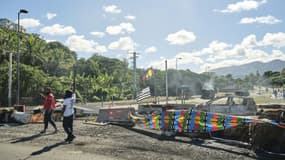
x=265, y=20
x=220, y=54
x=269, y=39
x=249, y=50
x=256, y=54
x=218, y=46
x=186, y=59
x=114, y=30
x=224, y=63
x=50, y=15
x=120, y=29
x=234, y=52
x=237, y=51
x=58, y=29
x=124, y=43
x=130, y=17
x=249, y=41
x=244, y=5
x=112, y=9
x=277, y=54
x=128, y=27
x=30, y=22
x=151, y=49
x=78, y=43
x=98, y=34
x=219, y=51
x=252, y=56
x=212, y=58
x=159, y=64
x=181, y=37
x=274, y=39
x=50, y=40
x=215, y=48
x=100, y=48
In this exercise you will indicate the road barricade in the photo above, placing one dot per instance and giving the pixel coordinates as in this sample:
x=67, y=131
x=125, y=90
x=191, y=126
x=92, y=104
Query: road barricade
x=115, y=115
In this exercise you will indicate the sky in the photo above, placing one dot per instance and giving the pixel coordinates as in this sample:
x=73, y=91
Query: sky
x=198, y=35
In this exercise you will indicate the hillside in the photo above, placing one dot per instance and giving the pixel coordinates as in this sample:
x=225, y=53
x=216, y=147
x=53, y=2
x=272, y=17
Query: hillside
x=242, y=70
x=97, y=78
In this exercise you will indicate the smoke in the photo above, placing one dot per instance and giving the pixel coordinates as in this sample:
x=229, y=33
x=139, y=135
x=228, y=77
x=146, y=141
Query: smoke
x=209, y=85
x=175, y=80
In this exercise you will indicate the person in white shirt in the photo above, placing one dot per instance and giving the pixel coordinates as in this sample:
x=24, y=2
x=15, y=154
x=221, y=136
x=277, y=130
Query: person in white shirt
x=68, y=112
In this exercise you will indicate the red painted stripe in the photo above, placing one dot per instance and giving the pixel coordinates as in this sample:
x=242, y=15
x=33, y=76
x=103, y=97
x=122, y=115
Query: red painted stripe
x=153, y=120
x=197, y=121
x=180, y=122
x=166, y=120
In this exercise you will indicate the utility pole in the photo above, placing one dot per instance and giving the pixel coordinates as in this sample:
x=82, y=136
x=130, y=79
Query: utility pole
x=166, y=82
x=176, y=88
x=74, y=78
x=135, y=74
x=18, y=63
x=154, y=88
x=10, y=80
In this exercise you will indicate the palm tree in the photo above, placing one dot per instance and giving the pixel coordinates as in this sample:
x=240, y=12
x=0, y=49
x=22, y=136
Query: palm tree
x=34, y=49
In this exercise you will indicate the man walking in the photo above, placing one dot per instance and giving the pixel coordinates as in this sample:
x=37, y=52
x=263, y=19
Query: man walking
x=68, y=112
x=49, y=107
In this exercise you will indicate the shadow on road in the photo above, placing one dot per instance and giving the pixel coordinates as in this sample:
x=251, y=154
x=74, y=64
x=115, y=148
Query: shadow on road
x=196, y=141
x=47, y=148
x=24, y=139
x=260, y=155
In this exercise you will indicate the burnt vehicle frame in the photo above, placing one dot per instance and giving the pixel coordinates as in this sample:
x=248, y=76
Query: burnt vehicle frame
x=231, y=104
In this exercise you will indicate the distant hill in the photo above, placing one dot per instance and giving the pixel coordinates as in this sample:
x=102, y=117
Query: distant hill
x=242, y=70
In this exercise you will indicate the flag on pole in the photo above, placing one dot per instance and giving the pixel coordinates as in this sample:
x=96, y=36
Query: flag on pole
x=145, y=93
x=147, y=74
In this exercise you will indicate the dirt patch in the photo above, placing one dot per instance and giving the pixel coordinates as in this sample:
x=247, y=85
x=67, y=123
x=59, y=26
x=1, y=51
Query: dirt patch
x=118, y=142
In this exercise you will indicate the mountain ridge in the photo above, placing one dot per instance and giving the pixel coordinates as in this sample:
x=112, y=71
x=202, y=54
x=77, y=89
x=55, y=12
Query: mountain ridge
x=253, y=67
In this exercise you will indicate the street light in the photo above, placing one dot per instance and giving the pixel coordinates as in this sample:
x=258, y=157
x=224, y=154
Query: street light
x=207, y=70
x=176, y=76
x=18, y=56
x=177, y=61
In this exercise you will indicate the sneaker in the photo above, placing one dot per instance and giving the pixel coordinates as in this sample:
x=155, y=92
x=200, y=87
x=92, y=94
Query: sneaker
x=43, y=131
x=70, y=139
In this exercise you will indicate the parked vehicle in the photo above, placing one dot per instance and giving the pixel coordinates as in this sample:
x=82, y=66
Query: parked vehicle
x=208, y=94
x=233, y=105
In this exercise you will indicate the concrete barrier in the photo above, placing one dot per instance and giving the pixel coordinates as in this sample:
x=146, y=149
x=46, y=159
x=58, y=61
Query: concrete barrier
x=21, y=117
x=114, y=115
x=20, y=108
x=150, y=108
x=37, y=118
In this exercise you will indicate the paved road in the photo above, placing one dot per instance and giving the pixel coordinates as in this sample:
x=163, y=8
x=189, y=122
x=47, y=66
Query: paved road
x=27, y=152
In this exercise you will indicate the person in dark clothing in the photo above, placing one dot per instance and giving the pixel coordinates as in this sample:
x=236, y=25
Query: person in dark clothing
x=49, y=107
x=68, y=112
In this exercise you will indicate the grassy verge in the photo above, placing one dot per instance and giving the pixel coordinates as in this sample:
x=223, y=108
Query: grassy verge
x=267, y=99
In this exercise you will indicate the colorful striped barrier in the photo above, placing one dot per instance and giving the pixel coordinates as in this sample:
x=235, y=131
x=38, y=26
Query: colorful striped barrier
x=193, y=121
